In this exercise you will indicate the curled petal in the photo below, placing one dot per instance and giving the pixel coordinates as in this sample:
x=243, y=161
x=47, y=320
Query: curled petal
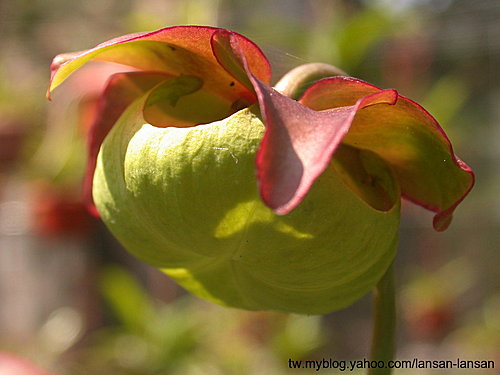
x=228, y=51
x=408, y=138
x=299, y=142
x=181, y=50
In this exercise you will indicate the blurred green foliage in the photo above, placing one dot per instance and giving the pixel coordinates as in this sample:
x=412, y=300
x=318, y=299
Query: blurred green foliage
x=189, y=336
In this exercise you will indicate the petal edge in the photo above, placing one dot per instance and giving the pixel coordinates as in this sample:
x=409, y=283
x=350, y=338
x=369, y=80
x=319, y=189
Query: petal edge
x=409, y=139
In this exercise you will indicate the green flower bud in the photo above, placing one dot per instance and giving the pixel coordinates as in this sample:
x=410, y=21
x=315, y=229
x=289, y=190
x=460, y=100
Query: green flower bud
x=186, y=200
x=251, y=196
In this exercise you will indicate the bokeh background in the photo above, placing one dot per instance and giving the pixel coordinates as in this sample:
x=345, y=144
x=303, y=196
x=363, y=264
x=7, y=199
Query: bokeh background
x=73, y=302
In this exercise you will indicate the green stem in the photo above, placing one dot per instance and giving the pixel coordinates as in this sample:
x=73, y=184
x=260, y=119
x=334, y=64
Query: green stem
x=296, y=81
x=384, y=316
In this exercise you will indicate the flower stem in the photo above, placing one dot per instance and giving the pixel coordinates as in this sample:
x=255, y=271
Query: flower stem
x=296, y=81
x=384, y=316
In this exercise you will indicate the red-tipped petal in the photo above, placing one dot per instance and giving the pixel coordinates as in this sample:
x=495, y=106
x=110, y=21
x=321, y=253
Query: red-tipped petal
x=180, y=50
x=408, y=138
x=299, y=142
x=231, y=56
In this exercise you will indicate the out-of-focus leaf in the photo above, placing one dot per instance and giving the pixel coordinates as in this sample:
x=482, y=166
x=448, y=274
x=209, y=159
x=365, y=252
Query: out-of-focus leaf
x=127, y=299
x=455, y=92
x=360, y=33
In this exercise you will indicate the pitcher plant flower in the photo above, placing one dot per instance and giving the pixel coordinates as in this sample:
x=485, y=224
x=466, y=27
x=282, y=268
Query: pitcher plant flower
x=253, y=196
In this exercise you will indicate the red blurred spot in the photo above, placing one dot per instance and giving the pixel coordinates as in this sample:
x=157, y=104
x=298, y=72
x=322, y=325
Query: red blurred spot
x=12, y=135
x=57, y=213
x=432, y=323
x=13, y=365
